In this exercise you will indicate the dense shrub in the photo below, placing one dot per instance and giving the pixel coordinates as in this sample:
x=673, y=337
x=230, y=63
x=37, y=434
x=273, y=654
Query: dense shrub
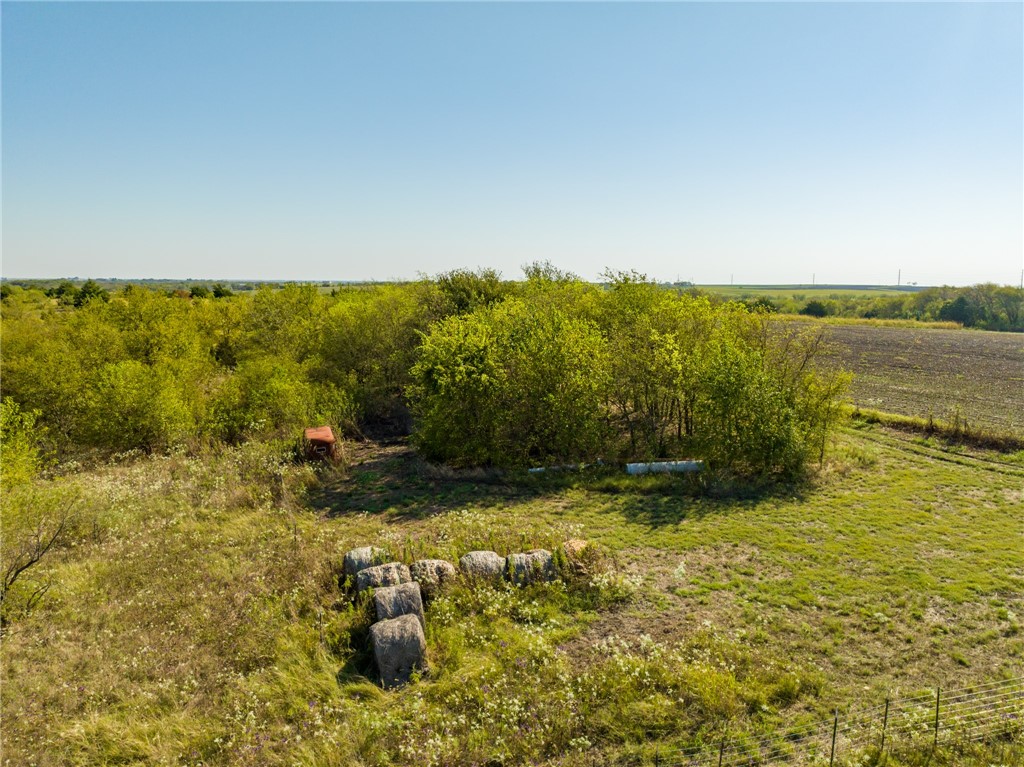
x=461, y=291
x=568, y=374
x=137, y=406
x=19, y=446
x=550, y=370
x=815, y=309
x=369, y=346
x=517, y=384
x=268, y=395
x=146, y=371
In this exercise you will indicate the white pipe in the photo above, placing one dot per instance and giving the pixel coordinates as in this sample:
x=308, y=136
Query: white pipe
x=664, y=467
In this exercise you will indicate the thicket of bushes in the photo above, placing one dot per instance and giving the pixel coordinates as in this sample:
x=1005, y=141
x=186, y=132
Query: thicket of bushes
x=987, y=306
x=564, y=372
x=482, y=371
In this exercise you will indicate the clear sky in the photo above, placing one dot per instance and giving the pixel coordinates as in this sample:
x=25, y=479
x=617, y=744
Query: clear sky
x=763, y=143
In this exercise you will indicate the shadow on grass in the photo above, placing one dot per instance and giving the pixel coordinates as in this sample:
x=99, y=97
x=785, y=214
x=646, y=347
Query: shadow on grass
x=394, y=479
x=654, y=512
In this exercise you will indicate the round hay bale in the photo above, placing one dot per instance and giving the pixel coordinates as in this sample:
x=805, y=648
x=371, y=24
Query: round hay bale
x=403, y=599
x=363, y=557
x=432, y=574
x=535, y=566
x=390, y=574
x=399, y=648
x=485, y=565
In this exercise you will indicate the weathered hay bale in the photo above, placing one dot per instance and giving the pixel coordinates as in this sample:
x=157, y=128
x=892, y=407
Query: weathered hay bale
x=390, y=574
x=574, y=547
x=579, y=556
x=403, y=599
x=363, y=557
x=431, y=574
x=399, y=648
x=532, y=567
x=482, y=564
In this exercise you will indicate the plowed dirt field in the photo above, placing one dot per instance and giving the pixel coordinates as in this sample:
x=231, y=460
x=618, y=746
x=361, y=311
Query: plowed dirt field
x=921, y=372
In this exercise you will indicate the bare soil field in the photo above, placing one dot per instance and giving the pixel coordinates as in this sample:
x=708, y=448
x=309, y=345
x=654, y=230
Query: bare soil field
x=922, y=372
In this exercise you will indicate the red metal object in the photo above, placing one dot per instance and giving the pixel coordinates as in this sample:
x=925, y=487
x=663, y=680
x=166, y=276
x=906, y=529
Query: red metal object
x=320, y=443
x=320, y=434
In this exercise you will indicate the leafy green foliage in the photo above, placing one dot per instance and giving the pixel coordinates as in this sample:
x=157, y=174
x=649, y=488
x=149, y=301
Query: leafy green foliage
x=566, y=373
x=20, y=458
x=137, y=406
x=986, y=306
x=267, y=396
x=90, y=290
x=548, y=371
x=517, y=384
x=369, y=346
x=461, y=290
x=815, y=309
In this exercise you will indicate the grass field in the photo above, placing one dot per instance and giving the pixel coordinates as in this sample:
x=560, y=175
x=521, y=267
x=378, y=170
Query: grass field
x=196, y=618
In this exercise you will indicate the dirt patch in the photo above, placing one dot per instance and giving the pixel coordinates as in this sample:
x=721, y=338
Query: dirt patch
x=663, y=612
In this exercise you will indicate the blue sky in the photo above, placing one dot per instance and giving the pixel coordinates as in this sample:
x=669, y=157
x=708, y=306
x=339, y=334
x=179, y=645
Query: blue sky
x=763, y=143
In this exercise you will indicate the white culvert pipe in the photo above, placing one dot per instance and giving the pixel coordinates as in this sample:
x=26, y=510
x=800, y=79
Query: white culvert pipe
x=664, y=467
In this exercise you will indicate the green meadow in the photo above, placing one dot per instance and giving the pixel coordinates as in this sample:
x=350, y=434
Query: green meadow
x=194, y=614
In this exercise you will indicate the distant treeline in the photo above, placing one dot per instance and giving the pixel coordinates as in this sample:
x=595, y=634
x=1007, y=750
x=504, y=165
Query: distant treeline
x=481, y=371
x=987, y=307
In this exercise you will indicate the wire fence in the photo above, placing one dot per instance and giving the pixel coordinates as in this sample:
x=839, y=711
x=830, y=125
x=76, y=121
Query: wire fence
x=940, y=718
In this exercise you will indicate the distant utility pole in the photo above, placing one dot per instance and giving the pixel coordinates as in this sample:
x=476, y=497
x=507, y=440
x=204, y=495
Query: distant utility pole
x=730, y=279
x=813, y=277
x=899, y=276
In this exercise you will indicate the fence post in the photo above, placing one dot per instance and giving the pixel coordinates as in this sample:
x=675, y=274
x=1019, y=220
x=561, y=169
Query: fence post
x=885, y=724
x=938, y=699
x=721, y=752
x=657, y=756
x=835, y=727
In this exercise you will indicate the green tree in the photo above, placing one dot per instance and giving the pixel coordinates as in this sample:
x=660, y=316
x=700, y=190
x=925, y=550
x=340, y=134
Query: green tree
x=461, y=290
x=959, y=310
x=511, y=385
x=815, y=309
x=90, y=291
x=269, y=396
x=369, y=345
